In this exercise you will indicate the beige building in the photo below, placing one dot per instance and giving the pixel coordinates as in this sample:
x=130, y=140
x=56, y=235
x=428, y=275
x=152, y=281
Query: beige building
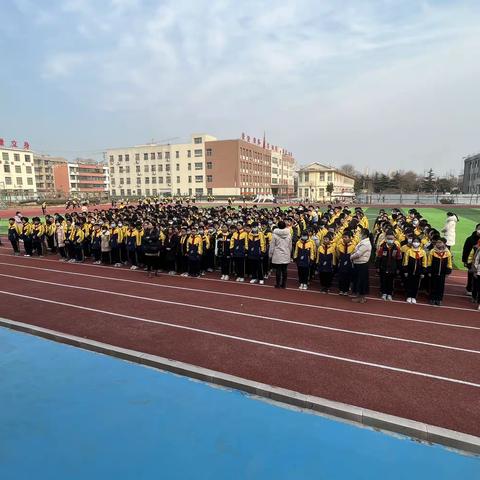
x=159, y=169
x=17, y=177
x=44, y=167
x=314, y=178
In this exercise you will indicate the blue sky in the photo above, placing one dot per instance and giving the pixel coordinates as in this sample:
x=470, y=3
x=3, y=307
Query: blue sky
x=381, y=84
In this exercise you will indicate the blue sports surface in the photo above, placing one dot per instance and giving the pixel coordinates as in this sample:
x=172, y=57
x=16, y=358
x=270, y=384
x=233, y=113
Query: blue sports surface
x=68, y=414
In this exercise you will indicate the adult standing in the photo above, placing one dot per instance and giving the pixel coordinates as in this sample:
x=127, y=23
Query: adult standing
x=280, y=253
x=151, y=247
x=360, y=258
x=449, y=230
x=469, y=249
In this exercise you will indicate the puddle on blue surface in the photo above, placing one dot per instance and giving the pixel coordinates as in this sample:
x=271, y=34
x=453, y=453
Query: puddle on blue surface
x=68, y=414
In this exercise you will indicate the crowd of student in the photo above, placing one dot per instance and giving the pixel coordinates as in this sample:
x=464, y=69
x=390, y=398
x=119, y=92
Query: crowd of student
x=248, y=242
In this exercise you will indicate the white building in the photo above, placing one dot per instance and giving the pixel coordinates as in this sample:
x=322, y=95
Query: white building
x=159, y=169
x=17, y=176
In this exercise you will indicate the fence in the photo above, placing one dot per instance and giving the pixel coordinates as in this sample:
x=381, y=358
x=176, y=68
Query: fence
x=417, y=199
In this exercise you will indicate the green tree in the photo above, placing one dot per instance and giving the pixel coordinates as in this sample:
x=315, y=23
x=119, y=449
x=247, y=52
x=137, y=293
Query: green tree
x=428, y=184
x=330, y=188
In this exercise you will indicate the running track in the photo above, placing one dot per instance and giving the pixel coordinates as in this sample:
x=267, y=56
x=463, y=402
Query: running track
x=414, y=361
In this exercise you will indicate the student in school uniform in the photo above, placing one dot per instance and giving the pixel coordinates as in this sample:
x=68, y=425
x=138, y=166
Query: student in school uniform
x=14, y=236
x=116, y=239
x=414, y=267
x=238, y=251
x=304, y=256
x=439, y=265
x=256, y=251
x=96, y=244
x=344, y=249
x=77, y=240
x=326, y=262
x=60, y=239
x=223, y=252
x=151, y=247
x=470, y=248
x=194, y=252
x=205, y=249
x=182, y=256
x=38, y=234
x=50, y=229
x=388, y=264
x=267, y=235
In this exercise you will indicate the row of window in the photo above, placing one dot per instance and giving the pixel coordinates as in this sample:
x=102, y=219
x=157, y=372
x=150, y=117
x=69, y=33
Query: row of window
x=305, y=177
x=147, y=192
x=18, y=169
x=148, y=180
x=159, y=155
x=16, y=157
x=19, y=181
x=153, y=168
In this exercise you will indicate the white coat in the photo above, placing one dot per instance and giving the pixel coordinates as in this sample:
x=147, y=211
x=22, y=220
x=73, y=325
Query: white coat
x=449, y=230
x=281, y=246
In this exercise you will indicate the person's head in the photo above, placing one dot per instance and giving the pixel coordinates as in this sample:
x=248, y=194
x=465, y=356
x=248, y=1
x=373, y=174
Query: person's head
x=248, y=228
x=347, y=236
x=416, y=242
x=477, y=228
x=327, y=239
x=35, y=220
x=11, y=221
x=281, y=225
x=390, y=238
x=147, y=225
x=305, y=235
x=193, y=230
x=239, y=226
x=364, y=233
x=415, y=222
x=224, y=229
x=440, y=244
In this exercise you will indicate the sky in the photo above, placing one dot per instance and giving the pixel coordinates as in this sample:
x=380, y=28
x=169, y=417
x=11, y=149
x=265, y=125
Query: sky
x=380, y=84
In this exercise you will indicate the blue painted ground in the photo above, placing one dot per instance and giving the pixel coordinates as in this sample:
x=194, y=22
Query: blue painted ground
x=70, y=414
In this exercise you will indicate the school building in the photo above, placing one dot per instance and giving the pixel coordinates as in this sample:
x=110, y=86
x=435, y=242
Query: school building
x=202, y=166
x=471, y=174
x=313, y=181
x=44, y=167
x=17, y=179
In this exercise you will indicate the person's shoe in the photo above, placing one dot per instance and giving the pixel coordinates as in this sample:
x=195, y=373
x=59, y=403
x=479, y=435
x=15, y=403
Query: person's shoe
x=300, y=287
x=432, y=302
x=133, y=267
x=261, y=282
x=327, y=291
x=210, y=270
x=98, y=262
x=478, y=308
x=468, y=294
x=227, y=277
x=356, y=299
x=438, y=303
x=414, y=300
x=362, y=300
x=172, y=272
x=26, y=255
x=185, y=274
x=222, y=277
x=241, y=279
x=409, y=300
x=118, y=265
x=202, y=273
x=253, y=280
x=384, y=296
x=389, y=298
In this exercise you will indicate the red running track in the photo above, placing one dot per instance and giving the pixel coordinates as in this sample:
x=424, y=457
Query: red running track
x=415, y=361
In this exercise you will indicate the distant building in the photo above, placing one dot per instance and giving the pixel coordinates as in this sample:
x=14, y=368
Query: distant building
x=82, y=178
x=204, y=166
x=471, y=174
x=17, y=178
x=314, y=178
x=44, y=167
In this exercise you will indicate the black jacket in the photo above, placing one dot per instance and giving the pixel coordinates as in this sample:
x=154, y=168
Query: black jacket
x=151, y=242
x=470, y=243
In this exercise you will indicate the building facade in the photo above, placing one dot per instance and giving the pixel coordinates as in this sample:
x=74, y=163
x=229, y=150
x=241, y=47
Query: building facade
x=82, y=178
x=44, y=166
x=204, y=166
x=471, y=174
x=313, y=181
x=17, y=177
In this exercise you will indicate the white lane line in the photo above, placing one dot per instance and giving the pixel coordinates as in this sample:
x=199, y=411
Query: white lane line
x=250, y=297
x=250, y=315
x=303, y=292
x=250, y=340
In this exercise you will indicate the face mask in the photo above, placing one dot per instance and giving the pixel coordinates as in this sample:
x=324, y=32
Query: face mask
x=390, y=242
x=409, y=240
x=304, y=238
x=113, y=225
x=200, y=232
x=415, y=223
x=255, y=230
x=416, y=244
x=478, y=232
x=440, y=247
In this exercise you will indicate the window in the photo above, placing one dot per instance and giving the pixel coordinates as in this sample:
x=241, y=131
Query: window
x=122, y=192
x=306, y=176
x=178, y=191
x=177, y=154
x=145, y=168
x=177, y=167
x=209, y=178
x=189, y=179
x=127, y=169
x=147, y=191
x=112, y=181
x=147, y=179
x=209, y=152
x=120, y=158
x=189, y=153
x=322, y=176
x=152, y=156
x=145, y=156
x=167, y=155
x=190, y=191
x=120, y=169
x=154, y=179
x=329, y=177
x=198, y=153
x=19, y=181
x=139, y=180
x=129, y=180
x=160, y=179
x=8, y=180
x=129, y=191
x=154, y=169
x=29, y=181
x=137, y=156
x=27, y=158
x=16, y=157
x=189, y=166
x=178, y=179
x=127, y=159
x=199, y=191
x=139, y=191
x=209, y=191
x=111, y=159
x=198, y=165
x=159, y=155
x=209, y=165
x=137, y=168
x=122, y=181
x=197, y=140
x=18, y=169
x=114, y=192
x=198, y=178
x=169, y=179
x=160, y=168
x=6, y=168
x=167, y=168
x=154, y=191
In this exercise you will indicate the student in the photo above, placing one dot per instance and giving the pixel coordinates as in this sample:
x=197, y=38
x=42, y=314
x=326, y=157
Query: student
x=96, y=244
x=256, y=251
x=182, y=256
x=344, y=249
x=50, y=229
x=205, y=249
x=38, y=233
x=326, y=262
x=170, y=245
x=469, y=250
x=151, y=247
x=222, y=252
x=60, y=237
x=414, y=266
x=77, y=240
x=304, y=256
x=116, y=239
x=44, y=208
x=388, y=263
x=439, y=265
x=105, y=247
x=14, y=236
x=194, y=252
x=280, y=253
x=238, y=250
x=449, y=230
x=360, y=258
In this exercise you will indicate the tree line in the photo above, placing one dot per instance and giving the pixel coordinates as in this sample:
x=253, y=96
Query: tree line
x=401, y=181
